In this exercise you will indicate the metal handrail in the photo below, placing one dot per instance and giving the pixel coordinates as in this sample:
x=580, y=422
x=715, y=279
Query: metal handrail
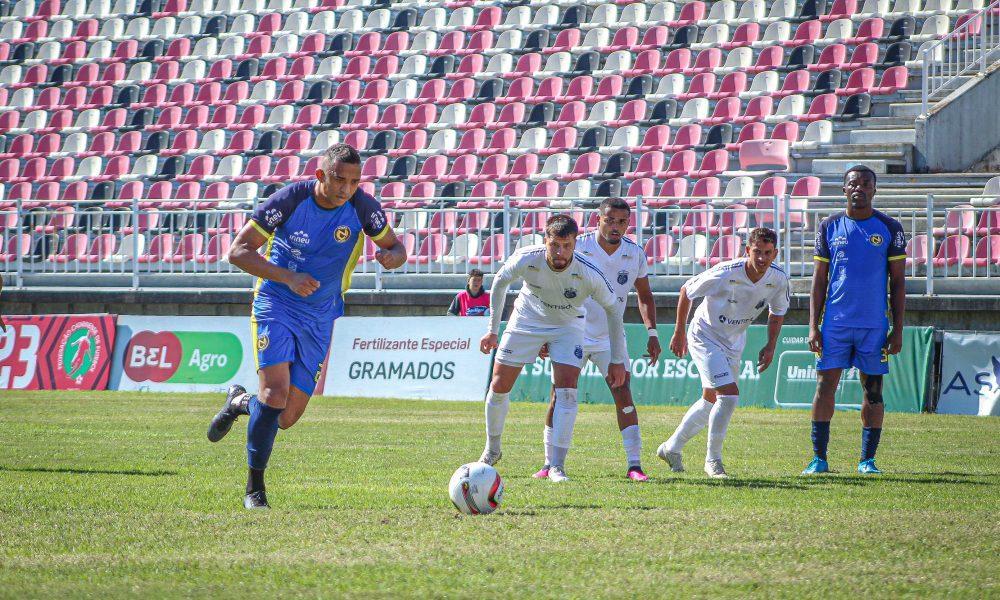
x=940, y=74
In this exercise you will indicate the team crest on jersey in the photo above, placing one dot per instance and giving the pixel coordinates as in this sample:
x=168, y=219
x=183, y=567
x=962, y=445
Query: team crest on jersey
x=263, y=340
x=622, y=277
x=578, y=352
x=342, y=233
x=570, y=293
x=875, y=239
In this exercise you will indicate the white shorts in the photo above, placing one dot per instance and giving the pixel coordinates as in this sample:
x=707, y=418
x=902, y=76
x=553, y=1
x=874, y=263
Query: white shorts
x=599, y=353
x=716, y=365
x=519, y=348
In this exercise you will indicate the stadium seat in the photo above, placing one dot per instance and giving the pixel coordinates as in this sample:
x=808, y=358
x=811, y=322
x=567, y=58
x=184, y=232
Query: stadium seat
x=987, y=253
x=952, y=250
x=492, y=251
x=725, y=248
x=690, y=249
x=959, y=220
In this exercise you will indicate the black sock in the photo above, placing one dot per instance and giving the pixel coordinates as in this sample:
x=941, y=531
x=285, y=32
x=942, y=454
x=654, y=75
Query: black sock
x=255, y=480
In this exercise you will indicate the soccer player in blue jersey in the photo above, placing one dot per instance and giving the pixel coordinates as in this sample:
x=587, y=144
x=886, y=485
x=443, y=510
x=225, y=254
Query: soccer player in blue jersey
x=313, y=233
x=857, y=252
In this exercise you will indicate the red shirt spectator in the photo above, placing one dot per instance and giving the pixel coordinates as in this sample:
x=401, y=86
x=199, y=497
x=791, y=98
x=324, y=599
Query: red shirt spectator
x=474, y=301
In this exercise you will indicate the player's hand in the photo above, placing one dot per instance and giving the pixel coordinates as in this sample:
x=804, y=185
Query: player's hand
x=389, y=259
x=489, y=343
x=653, y=350
x=764, y=358
x=894, y=344
x=815, y=341
x=678, y=344
x=302, y=284
x=543, y=352
x=616, y=375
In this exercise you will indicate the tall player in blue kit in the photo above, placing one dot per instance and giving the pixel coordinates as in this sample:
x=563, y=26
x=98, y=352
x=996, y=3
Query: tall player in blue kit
x=314, y=233
x=857, y=252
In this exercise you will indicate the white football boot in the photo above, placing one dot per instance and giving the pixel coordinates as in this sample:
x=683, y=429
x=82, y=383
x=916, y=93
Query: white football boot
x=672, y=458
x=714, y=469
x=557, y=474
x=490, y=458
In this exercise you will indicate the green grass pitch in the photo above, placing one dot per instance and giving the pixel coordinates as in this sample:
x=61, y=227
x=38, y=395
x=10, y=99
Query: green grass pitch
x=120, y=495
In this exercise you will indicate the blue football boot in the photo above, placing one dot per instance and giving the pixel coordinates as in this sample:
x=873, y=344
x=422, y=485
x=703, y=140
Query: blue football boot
x=818, y=465
x=867, y=467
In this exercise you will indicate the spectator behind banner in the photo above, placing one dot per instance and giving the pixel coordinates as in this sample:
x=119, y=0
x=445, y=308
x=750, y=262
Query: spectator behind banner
x=474, y=301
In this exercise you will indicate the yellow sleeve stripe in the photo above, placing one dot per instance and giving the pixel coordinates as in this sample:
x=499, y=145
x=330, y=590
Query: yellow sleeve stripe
x=381, y=234
x=258, y=227
x=821, y=259
x=900, y=257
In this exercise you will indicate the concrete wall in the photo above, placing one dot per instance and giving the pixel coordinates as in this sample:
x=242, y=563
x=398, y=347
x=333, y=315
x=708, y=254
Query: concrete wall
x=962, y=129
x=945, y=311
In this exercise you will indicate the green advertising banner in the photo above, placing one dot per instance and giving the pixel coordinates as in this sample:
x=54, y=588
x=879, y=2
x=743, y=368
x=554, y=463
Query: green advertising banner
x=789, y=382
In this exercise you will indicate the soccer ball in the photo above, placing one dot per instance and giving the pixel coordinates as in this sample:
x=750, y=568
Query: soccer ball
x=476, y=489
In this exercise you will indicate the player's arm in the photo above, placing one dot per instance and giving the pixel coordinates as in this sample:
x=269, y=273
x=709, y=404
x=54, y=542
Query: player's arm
x=774, y=323
x=897, y=302
x=606, y=297
x=455, y=307
x=498, y=297
x=678, y=341
x=391, y=253
x=245, y=254
x=647, y=310
x=817, y=294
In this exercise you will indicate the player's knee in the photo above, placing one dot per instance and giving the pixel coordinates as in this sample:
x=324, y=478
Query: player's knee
x=274, y=396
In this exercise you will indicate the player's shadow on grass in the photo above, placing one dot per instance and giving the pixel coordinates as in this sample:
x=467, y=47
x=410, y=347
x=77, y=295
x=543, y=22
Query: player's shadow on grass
x=735, y=482
x=937, y=478
x=154, y=473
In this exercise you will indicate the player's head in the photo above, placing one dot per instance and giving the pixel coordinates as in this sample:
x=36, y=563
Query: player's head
x=762, y=248
x=859, y=186
x=560, y=241
x=475, y=282
x=614, y=220
x=338, y=174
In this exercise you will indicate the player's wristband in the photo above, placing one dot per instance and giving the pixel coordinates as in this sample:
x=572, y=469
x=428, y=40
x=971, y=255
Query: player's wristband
x=652, y=332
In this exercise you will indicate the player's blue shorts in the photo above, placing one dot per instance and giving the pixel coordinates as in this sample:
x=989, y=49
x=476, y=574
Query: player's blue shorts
x=301, y=342
x=845, y=347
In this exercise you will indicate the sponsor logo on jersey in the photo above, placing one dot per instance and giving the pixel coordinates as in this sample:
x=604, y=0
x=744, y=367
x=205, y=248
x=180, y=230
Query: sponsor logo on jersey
x=719, y=374
x=727, y=321
x=569, y=293
x=840, y=240
x=760, y=305
x=272, y=216
x=532, y=268
x=875, y=239
x=378, y=220
x=900, y=239
x=300, y=238
x=622, y=277
x=342, y=233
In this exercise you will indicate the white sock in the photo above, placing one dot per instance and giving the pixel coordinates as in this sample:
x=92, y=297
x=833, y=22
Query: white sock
x=497, y=406
x=559, y=456
x=718, y=422
x=633, y=445
x=694, y=421
x=547, y=440
x=563, y=420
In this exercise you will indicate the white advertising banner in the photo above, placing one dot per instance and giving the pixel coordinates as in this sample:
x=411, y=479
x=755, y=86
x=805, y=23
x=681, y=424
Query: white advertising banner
x=970, y=374
x=182, y=354
x=434, y=358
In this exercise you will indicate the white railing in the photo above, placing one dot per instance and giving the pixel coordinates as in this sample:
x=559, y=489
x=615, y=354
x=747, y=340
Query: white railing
x=680, y=237
x=970, y=49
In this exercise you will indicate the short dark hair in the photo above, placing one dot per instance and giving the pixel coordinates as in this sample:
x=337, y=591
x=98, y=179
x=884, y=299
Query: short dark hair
x=863, y=170
x=763, y=234
x=344, y=153
x=475, y=273
x=613, y=203
x=561, y=226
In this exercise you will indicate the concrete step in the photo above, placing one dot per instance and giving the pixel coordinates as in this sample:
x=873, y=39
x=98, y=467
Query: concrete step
x=894, y=122
x=883, y=136
x=838, y=165
x=905, y=109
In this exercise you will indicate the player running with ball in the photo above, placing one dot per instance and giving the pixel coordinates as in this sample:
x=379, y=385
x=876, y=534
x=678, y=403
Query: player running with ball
x=548, y=310
x=735, y=292
x=314, y=232
x=623, y=264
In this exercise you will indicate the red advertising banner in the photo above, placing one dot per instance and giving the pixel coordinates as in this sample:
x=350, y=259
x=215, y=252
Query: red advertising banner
x=56, y=352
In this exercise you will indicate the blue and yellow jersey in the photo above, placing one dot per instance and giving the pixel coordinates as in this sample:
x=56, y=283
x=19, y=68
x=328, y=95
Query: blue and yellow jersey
x=306, y=238
x=859, y=253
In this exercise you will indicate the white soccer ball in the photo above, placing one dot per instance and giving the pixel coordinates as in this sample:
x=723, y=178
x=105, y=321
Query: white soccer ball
x=476, y=489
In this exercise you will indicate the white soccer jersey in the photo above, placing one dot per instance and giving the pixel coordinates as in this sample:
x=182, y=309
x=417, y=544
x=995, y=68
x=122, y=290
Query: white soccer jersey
x=551, y=299
x=732, y=301
x=621, y=269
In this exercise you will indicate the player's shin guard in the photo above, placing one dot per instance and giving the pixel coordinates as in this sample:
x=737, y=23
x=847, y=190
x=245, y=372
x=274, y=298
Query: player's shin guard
x=820, y=438
x=261, y=430
x=870, y=437
x=718, y=423
x=633, y=445
x=694, y=421
x=563, y=421
x=547, y=441
x=497, y=405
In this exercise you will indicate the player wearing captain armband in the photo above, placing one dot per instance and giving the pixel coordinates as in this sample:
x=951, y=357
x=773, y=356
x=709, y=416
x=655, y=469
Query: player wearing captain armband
x=548, y=311
x=734, y=293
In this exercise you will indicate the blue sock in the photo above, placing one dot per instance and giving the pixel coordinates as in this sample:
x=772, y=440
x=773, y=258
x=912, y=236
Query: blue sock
x=821, y=438
x=261, y=430
x=870, y=437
